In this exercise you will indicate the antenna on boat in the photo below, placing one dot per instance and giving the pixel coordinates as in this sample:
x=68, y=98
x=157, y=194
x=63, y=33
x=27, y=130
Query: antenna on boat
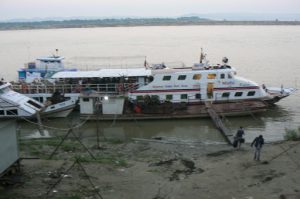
x=202, y=56
x=146, y=63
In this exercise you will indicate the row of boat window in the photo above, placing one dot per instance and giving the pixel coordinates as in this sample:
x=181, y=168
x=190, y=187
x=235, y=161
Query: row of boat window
x=198, y=76
x=9, y=112
x=198, y=95
x=170, y=97
x=51, y=61
x=238, y=94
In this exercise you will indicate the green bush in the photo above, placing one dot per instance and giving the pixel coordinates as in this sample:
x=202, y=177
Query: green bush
x=292, y=134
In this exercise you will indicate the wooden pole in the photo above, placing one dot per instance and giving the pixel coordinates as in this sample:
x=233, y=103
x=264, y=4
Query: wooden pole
x=40, y=125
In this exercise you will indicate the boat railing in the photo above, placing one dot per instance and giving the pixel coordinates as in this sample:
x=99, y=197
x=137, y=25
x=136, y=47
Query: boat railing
x=115, y=88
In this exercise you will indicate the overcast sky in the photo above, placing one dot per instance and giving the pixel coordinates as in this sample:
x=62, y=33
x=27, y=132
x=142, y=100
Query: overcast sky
x=14, y=9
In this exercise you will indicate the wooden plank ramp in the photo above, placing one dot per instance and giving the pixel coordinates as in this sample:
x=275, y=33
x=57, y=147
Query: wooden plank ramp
x=218, y=123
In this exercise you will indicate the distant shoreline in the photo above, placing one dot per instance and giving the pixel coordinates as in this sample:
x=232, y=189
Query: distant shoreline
x=133, y=22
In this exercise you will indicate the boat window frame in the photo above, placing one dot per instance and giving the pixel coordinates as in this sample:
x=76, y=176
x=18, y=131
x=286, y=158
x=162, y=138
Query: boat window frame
x=222, y=76
x=198, y=96
x=249, y=94
x=224, y=95
x=238, y=94
x=211, y=76
x=12, y=112
x=184, y=96
x=197, y=76
x=169, y=97
x=167, y=77
x=2, y=112
x=34, y=104
x=181, y=77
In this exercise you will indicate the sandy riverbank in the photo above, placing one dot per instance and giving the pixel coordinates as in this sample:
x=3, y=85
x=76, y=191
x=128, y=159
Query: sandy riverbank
x=159, y=170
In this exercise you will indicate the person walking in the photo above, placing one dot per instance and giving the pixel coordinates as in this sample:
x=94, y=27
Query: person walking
x=238, y=139
x=258, y=142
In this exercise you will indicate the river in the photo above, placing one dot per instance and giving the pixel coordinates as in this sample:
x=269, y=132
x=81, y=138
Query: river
x=264, y=54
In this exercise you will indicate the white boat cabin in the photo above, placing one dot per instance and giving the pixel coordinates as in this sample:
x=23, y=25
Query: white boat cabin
x=43, y=68
x=94, y=103
x=14, y=105
x=194, y=84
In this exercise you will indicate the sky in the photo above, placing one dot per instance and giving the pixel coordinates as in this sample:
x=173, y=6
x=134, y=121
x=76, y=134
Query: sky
x=27, y=9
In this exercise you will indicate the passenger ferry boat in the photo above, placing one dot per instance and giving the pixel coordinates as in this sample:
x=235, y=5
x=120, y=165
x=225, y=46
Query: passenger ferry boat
x=156, y=91
x=36, y=72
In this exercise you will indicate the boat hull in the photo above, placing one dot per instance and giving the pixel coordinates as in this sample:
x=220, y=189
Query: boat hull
x=62, y=109
x=57, y=114
x=181, y=111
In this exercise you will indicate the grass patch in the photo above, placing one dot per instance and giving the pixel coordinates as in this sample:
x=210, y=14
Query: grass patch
x=115, y=141
x=103, y=159
x=292, y=134
x=153, y=171
x=71, y=146
x=41, y=142
x=75, y=196
x=40, y=147
x=10, y=194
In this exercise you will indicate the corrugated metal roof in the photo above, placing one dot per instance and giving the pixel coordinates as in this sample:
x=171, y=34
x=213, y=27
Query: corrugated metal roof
x=130, y=72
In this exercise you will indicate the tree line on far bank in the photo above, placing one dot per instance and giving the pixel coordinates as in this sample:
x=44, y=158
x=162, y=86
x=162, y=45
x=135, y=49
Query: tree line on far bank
x=127, y=22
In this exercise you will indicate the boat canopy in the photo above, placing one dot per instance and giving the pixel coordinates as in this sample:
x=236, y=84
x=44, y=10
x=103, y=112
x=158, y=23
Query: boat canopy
x=130, y=72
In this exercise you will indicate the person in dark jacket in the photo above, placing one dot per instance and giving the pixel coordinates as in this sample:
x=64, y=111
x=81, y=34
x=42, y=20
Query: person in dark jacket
x=239, y=137
x=258, y=142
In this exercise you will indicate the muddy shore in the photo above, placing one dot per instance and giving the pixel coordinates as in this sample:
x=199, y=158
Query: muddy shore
x=155, y=169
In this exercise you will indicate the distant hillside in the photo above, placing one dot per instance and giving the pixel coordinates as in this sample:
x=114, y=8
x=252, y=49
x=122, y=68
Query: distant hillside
x=132, y=22
x=247, y=16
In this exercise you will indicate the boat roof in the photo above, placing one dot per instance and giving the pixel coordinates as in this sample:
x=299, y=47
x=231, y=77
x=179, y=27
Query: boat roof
x=130, y=72
x=51, y=58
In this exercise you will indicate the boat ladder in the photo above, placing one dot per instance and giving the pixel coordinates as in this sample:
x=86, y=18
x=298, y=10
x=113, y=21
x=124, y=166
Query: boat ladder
x=218, y=122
